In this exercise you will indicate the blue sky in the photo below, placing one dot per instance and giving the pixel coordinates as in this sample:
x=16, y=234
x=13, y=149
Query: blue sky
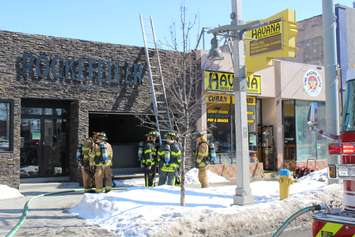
x=116, y=21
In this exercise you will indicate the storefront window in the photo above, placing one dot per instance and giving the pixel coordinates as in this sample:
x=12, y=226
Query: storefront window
x=5, y=126
x=349, y=121
x=310, y=145
x=32, y=111
x=220, y=125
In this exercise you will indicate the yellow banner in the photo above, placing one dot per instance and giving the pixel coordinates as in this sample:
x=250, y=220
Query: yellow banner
x=223, y=81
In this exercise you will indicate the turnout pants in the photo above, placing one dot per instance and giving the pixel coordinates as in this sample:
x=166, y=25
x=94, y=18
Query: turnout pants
x=202, y=176
x=87, y=174
x=103, y=178
x=149, y=175
x=166, y=178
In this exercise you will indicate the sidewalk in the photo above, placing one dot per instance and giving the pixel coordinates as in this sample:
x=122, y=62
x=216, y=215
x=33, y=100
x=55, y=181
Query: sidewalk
x=47, y=215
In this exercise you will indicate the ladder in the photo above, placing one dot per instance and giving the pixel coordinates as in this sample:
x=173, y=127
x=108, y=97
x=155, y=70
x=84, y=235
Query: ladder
x=161, y=111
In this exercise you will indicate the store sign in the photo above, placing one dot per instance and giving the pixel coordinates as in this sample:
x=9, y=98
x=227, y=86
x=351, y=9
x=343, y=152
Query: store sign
x=218, y=99
x=312, y=83
x=31, y=66
x=266, y=38
x=223, y=81
x=274, y=37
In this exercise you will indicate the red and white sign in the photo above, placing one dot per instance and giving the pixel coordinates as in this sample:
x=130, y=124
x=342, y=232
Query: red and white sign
x=312, y=83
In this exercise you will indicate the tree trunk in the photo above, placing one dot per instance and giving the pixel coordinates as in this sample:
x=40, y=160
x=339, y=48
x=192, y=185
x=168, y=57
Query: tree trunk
x=182, y=185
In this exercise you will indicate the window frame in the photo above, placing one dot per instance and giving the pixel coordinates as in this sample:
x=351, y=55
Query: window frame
x=11, y=125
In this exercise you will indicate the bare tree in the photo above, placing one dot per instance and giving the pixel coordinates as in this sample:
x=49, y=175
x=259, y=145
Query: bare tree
x=185, y=90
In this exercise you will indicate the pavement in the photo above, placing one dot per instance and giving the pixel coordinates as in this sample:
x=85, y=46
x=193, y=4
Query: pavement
x=47, y=215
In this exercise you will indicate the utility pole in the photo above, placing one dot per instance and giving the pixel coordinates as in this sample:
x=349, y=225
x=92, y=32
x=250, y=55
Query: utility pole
x=331, y=82
x=243, y=192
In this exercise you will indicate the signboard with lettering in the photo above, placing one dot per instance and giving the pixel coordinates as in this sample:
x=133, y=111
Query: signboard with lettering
x=266, y=38
x=223, y=81
x=220, y=107
x=42, y=66
x=218, y=99
x=275, y=37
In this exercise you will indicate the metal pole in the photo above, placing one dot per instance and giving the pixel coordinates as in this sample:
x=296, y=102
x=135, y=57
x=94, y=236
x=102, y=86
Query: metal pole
x=331, y=82
x=243, y=192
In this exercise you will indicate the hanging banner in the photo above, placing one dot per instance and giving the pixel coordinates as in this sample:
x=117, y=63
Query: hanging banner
x=223, y=81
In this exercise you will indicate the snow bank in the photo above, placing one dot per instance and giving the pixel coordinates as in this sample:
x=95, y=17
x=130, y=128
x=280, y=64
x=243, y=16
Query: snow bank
x=319, y=175
x=6, y=192
x=140, y=211
x=129, y=182
x=191, y=177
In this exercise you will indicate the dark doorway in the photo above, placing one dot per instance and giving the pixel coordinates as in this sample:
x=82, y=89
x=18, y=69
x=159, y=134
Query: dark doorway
x=124, y=133
x=44, y=136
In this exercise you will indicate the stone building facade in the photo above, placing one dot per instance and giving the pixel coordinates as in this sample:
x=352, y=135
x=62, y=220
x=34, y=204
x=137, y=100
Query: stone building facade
x=55, y=84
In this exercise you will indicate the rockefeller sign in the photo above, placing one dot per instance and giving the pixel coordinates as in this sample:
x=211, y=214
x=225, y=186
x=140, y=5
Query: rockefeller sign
x=55, y=68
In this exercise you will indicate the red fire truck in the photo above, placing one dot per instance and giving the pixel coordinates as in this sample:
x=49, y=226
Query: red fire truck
x=341, y=222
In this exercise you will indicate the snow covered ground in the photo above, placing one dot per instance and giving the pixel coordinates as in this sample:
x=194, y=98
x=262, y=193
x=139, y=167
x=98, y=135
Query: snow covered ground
x=140, y=211
x=190, y=178
x=6, y=192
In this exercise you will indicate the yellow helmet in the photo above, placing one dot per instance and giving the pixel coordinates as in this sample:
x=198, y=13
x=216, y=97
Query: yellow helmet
x=172, y=135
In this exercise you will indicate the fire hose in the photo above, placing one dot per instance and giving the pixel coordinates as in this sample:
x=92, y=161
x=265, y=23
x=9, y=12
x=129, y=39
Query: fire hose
x=26, y=207
x=315, y=207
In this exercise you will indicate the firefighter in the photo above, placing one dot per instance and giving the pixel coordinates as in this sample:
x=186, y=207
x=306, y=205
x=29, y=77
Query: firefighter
x=170, y=159
x=202, y=158
x=149, y=159
x=85, y=157
x=103, y=164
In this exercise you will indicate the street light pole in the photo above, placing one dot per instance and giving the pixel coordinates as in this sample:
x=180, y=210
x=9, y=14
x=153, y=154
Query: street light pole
x=243, y=192
x=331, y=83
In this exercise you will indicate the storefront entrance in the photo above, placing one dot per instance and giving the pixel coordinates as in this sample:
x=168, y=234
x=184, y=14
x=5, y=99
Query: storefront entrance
x=124, y=134
x=44, y=131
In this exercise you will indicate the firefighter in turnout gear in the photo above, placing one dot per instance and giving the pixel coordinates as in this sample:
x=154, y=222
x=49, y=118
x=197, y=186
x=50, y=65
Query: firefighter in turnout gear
x=85, y=157
x=202, y=158
x=150, y=159
x=103, y=163
x=170, y=159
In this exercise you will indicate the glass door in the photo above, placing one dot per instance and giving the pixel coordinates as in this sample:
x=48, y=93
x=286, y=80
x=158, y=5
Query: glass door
x=43, y=142
x=30, y=147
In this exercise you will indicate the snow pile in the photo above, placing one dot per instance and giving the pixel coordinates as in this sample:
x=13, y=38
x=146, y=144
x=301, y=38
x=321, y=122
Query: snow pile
x=129, y=182
x=6, y=192
x=319, y=175
x=191, y=177
x=140, y=211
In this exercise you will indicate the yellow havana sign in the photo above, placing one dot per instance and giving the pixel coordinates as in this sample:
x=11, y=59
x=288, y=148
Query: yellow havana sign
x=274, y=38
x=223, y=81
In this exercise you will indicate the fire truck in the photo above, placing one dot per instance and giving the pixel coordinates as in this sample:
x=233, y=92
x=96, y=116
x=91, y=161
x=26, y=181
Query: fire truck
x=336, y=222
